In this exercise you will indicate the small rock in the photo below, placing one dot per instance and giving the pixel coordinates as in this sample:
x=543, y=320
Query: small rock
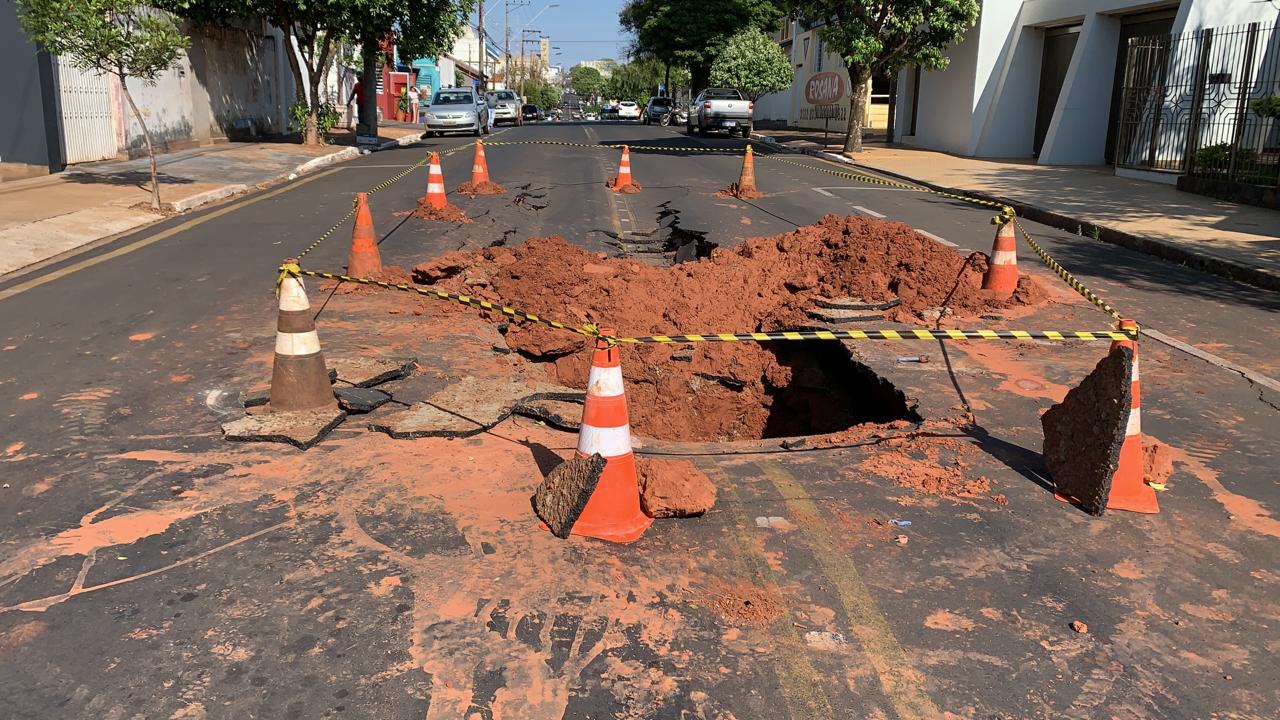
x=673, y=488
x=1226, y=677
x=902, y=539
x=1079, y=627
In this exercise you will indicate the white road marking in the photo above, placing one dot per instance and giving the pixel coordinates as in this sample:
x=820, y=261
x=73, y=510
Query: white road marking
x=865, y=211
x=931, y=236
x=822, y=191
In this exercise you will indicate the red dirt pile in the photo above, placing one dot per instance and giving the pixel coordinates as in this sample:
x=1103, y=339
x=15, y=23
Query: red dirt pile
x=448, y=213
x=673, y=488
x=736, y=192
x=717, y=391
x=485, y=188
x=631, y=189
x=929, y=465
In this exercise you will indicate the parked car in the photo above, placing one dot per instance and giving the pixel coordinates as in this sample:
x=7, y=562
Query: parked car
x=659, y=110
x=628, y=110
x=720, y=109
x=505, y=107
x=593, y=116
x=457, y=110
x=530, y=113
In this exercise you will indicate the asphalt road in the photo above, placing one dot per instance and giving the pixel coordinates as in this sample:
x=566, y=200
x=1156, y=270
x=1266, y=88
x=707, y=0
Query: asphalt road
x=126, y=346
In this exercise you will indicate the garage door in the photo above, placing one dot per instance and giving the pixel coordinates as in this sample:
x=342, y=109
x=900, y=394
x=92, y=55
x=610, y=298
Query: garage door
x=88, y=129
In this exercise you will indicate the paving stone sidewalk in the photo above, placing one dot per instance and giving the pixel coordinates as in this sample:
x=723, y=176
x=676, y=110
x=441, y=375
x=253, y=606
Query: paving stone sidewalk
x=41, y=218
x=1230, y=239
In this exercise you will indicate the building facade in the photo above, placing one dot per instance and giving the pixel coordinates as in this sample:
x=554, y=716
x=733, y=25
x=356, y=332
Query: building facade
x=810, y=58
x=1046, y=79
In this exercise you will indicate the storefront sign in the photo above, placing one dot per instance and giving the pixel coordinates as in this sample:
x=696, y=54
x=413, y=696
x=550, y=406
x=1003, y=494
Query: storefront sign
x=824, y=88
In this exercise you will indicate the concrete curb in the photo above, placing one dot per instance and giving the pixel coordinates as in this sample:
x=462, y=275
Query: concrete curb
x=400, y=142
x=204, y=198
x=1163, y=249
x=323, y=160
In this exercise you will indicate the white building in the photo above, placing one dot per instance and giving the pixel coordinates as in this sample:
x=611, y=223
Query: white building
x=1046, y=78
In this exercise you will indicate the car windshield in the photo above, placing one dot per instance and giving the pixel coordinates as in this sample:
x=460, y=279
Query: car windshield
x=722, y=95
x=504, y=95
x=452, y=98
x=627, y=103
x=661, y=102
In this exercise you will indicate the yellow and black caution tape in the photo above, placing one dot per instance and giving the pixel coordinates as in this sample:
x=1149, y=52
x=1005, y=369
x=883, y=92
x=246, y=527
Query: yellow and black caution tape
x=1067, y=277
x=590, y=330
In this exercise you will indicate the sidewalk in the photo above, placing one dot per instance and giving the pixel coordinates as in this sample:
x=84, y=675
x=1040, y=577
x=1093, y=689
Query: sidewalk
x=43, y=217
x=1237, y=241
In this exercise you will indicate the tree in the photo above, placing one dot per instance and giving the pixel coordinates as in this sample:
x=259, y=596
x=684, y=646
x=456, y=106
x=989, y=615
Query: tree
x=315, y=28
x=125, y=38
x=587, y=81
x=636, y=81
x=880, y=37
x=692, y=34
x=752, y=62
x=543, y=94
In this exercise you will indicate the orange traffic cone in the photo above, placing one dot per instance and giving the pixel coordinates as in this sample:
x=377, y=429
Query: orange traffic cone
x=299, y=378
x=747, y=179
x=613, y=513
x=1129, y=490
x=364, y=259
x=435, y=196
x=1002, y=272
x=479, y=166
x=623, y=182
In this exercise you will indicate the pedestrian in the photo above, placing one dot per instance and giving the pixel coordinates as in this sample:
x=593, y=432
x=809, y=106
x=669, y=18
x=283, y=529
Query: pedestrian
x=357, y=96
x=489, y=105
x=413, y=103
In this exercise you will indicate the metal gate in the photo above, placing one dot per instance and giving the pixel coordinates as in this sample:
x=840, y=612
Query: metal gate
x=88, y=127
x=1199, y=104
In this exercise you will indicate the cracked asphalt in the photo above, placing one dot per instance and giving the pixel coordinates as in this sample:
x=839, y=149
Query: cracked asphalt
x=148, y=569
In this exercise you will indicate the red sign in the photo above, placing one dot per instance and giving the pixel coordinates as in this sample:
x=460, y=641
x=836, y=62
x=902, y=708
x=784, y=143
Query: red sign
x=824, y=88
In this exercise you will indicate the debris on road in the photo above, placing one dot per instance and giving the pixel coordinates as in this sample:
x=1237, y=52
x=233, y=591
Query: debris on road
x=1083, y=434
x=365, y=372
x=300, y=428
x=480, y=184
x=564, y=492
x=1079, y=627
x=673, y=488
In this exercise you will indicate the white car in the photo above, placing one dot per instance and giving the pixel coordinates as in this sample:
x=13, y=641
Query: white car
x=628, y=110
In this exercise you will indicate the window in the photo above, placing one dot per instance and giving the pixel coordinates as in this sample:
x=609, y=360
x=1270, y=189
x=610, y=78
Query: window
x=452, y=98
x=817, y=55
x=804, y=52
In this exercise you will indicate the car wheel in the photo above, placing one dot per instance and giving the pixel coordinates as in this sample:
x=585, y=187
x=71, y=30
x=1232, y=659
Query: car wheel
x=476, y=132
x=688, y=129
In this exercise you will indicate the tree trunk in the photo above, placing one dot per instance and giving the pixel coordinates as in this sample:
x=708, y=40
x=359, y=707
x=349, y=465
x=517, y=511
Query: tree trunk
x=146, y=136
x=699, y=77
x=859, y=77
x=299, y=85
x=370, y=51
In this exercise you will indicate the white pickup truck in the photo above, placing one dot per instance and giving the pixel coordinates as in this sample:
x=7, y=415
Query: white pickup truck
x=720, y=109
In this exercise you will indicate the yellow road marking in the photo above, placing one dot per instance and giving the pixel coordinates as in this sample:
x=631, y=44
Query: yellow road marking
x=136, y=244
x=798, y=681
x=901, y=683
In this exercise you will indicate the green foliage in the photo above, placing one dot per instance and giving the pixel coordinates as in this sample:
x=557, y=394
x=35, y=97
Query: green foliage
x=692, y=34
x=122, y=37
x=1267, y=107
x=1217, y=158
x=883, y=36
x=402, y=102
x=635, y=81
x=542, y=94
x=586, y=81
x=327, y=117
x=459, y=80
x=753, y=63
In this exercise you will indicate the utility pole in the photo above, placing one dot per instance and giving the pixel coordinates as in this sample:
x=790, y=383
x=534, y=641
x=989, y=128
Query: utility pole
x=506, y=43
x=484, y=79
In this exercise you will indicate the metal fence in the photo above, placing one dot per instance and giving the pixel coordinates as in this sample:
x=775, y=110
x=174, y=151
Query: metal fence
x=1206, y=104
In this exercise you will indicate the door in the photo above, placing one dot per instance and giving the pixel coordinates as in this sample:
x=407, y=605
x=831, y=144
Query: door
x=1131, y=26
x=1059, y=45
x=88, y=128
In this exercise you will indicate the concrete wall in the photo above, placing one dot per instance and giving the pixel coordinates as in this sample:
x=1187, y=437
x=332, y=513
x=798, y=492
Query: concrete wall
x=985, y=103
x=27, y=87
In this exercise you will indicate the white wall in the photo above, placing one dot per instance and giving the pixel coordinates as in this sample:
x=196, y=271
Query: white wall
x=985, y=103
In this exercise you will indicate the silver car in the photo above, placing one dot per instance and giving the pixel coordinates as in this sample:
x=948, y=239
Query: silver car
x=457, y=110
x=505, y=106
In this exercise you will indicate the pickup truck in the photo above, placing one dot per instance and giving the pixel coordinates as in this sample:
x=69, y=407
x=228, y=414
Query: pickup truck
x=720, y=109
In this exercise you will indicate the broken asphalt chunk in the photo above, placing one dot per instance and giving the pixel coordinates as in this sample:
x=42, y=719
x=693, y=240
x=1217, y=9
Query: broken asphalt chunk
x=367, y=372
x=564, y=492
x=300, y=428
x=358, y=400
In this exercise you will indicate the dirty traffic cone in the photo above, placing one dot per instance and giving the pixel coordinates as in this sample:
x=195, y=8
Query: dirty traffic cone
x=747, y=180
x=623, y=182
x=479, y=167
x=1002, y=272
x=613, y=513
x=364, y=259
x=435, y=196
x=1129, y=490
x=299, y=378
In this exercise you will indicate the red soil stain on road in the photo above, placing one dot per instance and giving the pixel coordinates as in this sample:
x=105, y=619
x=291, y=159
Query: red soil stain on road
x=947, y=620
x=1128, y=570
x=184, y=377
x=29, y=396
x=117, y=530
x=10, y=347
x=139, y=337
x=1020, y=377
x=1245, y=512
x=384, y=586
x=13, y=448
x=21, y=634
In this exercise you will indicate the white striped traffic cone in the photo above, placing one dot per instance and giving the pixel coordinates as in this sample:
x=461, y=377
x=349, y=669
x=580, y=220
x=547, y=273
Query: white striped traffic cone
x=1002, y=272
x=623, y=180
x=299, y=378
x=613, y=513
x=1129, y=490
x=435, y=196
x=479, y=166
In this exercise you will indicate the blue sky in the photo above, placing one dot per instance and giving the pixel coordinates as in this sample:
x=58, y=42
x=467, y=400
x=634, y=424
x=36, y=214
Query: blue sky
x=582, y=29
